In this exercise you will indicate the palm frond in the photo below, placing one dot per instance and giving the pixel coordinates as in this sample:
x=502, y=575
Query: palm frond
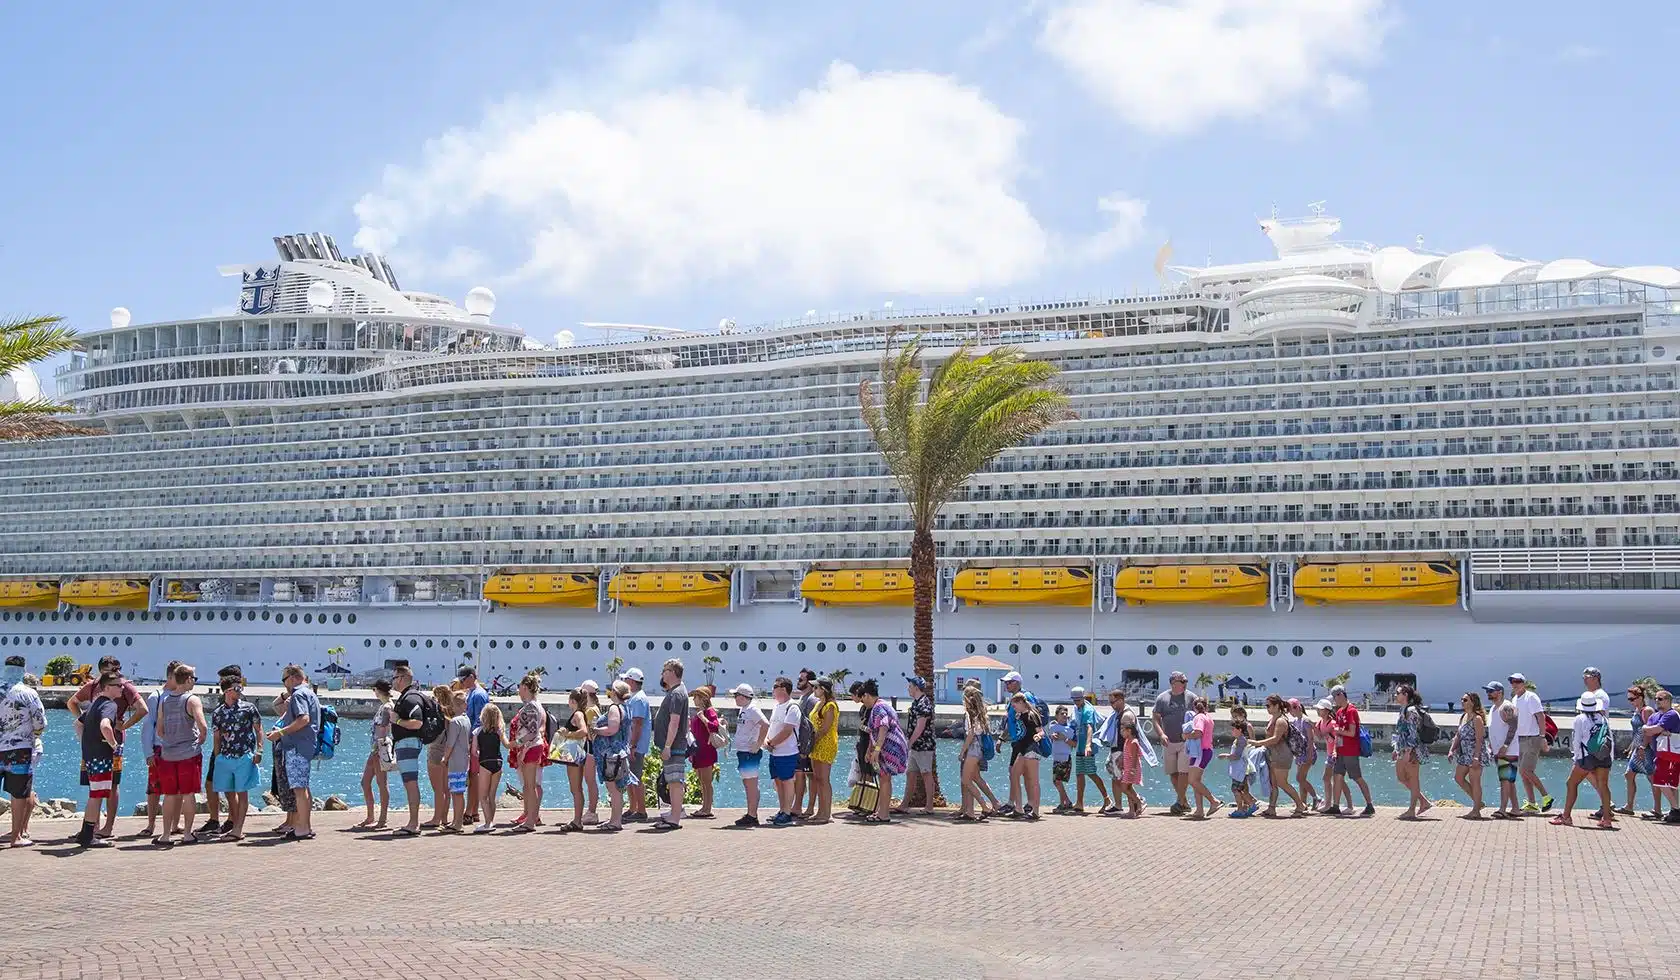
x=25, y=340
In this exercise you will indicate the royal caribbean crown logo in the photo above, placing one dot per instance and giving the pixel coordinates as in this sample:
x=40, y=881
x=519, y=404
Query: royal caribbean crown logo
x=257, y=293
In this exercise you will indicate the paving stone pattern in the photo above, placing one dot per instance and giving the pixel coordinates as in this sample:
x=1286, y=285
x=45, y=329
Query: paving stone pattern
x=1339, y=899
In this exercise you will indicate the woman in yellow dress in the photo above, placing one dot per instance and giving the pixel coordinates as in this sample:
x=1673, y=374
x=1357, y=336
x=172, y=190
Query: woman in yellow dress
x=825, y=747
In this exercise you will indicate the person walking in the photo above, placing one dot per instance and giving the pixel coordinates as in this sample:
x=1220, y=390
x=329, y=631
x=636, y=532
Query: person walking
x=1198, y=738
x=1085, y=750
x=528, y=738
x=670, y=731
x=1531, y=740
x=1469, y=751
x=238, y=753
x=1344, y=725
x=784, y=749
x=641, y=738
x=477, y=698
x=1237, y=764
x=1025, y=726
x=98, y=733
x=976, y=729
x=1131, y=768
x=751, y=729
x=921, y=769
x=1171, y=706
x=490, y=741
x=1503, y=749
x=407, y=718
x=437, y=760
x=612, y=753
x=296, y=738
x=1060, y=731
x=1024, y=786
x=1325, y=727
x=1663, y=729
x=381, y=758
x=1409, y=750
x=180, y=741
x=889, y=750
x=804, y=789
x=131, y=711
x=1114, y=736
x=825, y=748
x=1304, y=746
x=1280, y=757
x=703, y=726
x=1592, y=746
x=1641, y=760
x=23, y=718
x=571, y=753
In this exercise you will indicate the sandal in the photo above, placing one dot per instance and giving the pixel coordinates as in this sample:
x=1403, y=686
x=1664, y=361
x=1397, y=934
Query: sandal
x=663, y=824
x=963, y=818
x=877, y=819
x=568, y=828
x=1561, y=821
x=702, y=816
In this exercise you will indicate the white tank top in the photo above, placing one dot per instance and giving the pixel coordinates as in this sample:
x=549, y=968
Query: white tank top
x=1498, y=729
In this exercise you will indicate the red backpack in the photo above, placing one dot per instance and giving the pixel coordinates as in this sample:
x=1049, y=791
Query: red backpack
x=1549, y=728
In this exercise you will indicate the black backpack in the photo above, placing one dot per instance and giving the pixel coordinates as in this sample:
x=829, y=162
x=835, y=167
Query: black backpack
x=1428, y=732
x=432, y=721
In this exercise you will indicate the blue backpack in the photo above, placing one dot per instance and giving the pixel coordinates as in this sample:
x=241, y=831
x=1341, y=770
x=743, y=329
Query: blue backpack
x=1364, y=742
x=326, y=742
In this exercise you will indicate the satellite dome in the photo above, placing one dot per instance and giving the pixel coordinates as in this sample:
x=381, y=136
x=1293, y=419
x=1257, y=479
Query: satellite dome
x=120, y=317
x=481, y=302
x=321, y=295
x=564, y=338
x=21, y=385
x=726, y=325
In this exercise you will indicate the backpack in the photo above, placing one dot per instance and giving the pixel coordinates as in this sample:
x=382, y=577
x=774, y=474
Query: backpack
x=1427, y=730
x=326, y=741
x=1364, y=742
x=1599, y=743
x=432, y=721
x=1297, y=740
x=1549, y=728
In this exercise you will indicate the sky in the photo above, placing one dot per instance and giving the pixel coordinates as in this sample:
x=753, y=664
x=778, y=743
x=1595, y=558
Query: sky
x=678, y=163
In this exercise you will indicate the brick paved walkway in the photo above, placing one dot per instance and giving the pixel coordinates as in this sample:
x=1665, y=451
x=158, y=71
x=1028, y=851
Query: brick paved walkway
x=1096, y=896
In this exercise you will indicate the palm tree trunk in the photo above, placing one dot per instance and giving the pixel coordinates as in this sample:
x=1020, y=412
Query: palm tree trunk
x=924, y=575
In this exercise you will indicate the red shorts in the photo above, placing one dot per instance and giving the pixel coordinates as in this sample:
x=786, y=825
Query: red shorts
x=152, y=766
x=180, y=778
x=1667, y=774
x=536, y=755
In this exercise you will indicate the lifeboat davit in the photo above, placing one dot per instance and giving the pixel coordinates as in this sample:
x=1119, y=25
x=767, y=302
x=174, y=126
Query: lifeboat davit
x=1406, y=583
x=577, y=590
x=1218, y=585
x=29, y=595
x=107, y=593
x=1030, y=585
x=708, y=589
x=859, y=587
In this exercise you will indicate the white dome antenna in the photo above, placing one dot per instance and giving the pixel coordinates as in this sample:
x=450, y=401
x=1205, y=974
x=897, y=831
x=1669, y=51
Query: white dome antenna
x=565, y=338
x=481, y=302
x=887, y=305
x=726, y=325
x=979, y=304
x=120, y=317
x=320, y=295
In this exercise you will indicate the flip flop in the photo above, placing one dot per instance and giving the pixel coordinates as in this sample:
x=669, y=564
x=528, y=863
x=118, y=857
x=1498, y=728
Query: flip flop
x=407, y=832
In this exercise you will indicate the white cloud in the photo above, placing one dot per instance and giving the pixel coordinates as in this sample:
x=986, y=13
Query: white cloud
x=1173, y=66
x=1125, y=227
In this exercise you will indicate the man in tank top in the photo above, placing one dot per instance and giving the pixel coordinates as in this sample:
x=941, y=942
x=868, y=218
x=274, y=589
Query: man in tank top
x=180, y=747
x=1502, y=742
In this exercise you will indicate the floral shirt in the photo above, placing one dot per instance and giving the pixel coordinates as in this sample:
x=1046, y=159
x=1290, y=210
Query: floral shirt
x=236, y=724
x=527, y=725
x=922, y=707
x=21, y=716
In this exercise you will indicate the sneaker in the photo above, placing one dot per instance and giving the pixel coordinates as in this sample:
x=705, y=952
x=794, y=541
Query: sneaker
x=1369, y=811
x=226, y=827
x=1332, y=811
x=210, y=827
x=1178, y=809
x=781, y=820
x=1545, y=803
x=1532, y=808
x=1673, y=817
x=635, y=818
x=1007, y=810
x=482, y=828
x=590, y=819
x=1031, y=813
x=747, y=820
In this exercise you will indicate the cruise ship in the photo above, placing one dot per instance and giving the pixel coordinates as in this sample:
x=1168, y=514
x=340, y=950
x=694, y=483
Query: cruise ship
x=1393, y=463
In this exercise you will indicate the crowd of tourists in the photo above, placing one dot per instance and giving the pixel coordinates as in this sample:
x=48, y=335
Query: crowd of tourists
x=1308, y=758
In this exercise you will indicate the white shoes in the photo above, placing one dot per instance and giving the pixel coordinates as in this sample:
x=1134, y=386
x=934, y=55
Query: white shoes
x=483, y=828
x=590, y=819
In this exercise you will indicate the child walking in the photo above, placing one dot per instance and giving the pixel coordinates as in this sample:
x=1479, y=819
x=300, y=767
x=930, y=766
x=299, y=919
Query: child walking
x=1061, y=757
x=491, y=738
x=457, y=754
x=1131, y=770
x=1247, y=805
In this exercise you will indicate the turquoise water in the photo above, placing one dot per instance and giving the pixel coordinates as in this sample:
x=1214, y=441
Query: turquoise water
x=342, y=775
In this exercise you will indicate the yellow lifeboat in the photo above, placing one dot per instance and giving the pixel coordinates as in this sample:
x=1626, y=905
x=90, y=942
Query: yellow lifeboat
x=1219, y=585
x=107, y=593
x=578, y=590
x=1024, y=586
x=859, y=587
x=180, y=592
x=28, y=595
x=1408, y=583
x=709, y=589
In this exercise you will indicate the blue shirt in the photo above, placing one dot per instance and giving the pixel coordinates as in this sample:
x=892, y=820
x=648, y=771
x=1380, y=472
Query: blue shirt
x=1060, y=751
x=638, y=708
x=477, y=698
x=302, y=704
x=1084, y=720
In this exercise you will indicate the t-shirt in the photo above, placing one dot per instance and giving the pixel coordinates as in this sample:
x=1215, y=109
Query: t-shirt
x=1529, y=710
x=675, y=706
x=807, y=734
x=235, y=723
x=1580, y=731
x=1348, y=720
x=126, y=700
x=21, y=716
x=1670, y=723
x=528, y=725
x=407, y=708
x=922, y=707
x=1170, y=709
x=782, y=716
x=94, y=746
x=457, y=743
x=1060, y=750
x=301, y=703
x=1499, y=729
x=148, y=733
x=747, y=728
x=1084, y=722
x=477, y=698
x=1238, y=768
x=637, y=707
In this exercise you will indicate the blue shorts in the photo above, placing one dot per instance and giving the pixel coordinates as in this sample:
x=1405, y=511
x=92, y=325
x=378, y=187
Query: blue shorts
x=234, y=774
x=407, y=753
x=457, y=782
x=782, y=767
x=748, y=763
x=297, y=768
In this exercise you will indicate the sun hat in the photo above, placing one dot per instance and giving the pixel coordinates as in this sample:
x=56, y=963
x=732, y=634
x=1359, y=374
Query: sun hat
x=1589, y=701
x=742, y=691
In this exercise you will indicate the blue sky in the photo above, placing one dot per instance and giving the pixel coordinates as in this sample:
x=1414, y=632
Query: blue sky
x=681, y=162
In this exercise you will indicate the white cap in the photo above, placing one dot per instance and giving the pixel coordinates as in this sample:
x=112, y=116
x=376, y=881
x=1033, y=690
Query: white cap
x=633, y=674
x=1077, y=691
x=742, y=691
x=590, y=686
x=1013, y=675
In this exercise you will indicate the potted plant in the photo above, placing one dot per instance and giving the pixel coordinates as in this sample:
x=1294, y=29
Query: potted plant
x=710, y=663
x=58, y=670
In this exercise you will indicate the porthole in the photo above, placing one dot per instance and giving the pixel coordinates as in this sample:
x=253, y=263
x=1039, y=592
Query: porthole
x=1197, y=649
x=80, y=616
x=1353, y=651
x=1172, y=649
x=102, y=641
x=1405, y=651
x=612, y=645
x=1082, y=649
x=525, y=644
x=351, y=619
x=1381, y=651
x=128, y=641
x=105, y=617
x=968, y=648
x=78, y=640
x=762, y=646
x=685, y=645
x=541, y=644
x=1037, y=648
x=991, y=648
x=265, y=615
x=1107, y=649
x=1248, y=649
x=577, y=644
x=1271, y=650
x=705, y=645
x=800, y=646
x=428, y=644
x=169, y=615
x=1658, y=351
x=337, y=618
x=382, y=644
x=294, y=618
x=840, y=647
x=460, y=644
x=224, y=615
x=413, y=644
x=1152, y=650
x=1058, y=649
x=1298, y=650
x=667, y=644
x=821, y=646
x=632, y=646
x=1329, y=651
x=367, y=642
x=492, y=644
x=880, y=648
x=307, y=618
x=131, y=616
x=1014, y=648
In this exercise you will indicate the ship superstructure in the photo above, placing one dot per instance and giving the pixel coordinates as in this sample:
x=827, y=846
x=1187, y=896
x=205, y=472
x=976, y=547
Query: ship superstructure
x=1386, y=460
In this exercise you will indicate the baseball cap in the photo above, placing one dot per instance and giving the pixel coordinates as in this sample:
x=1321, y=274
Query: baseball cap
x=1178, y=675
x=1013, y=675
x=1592, y=672
x=1077, y=691
x=1494, y=686
x=1293, y=702
x=15, y=661
x=590, y=686
x=466, y=671
x=742, y=691
x=633, y=674
x=1517, y=679
x=917, y=682
x=1338, y=689
x=1324, y=705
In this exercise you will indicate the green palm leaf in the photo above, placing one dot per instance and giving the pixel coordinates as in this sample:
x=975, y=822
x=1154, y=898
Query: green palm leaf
x=23, y=341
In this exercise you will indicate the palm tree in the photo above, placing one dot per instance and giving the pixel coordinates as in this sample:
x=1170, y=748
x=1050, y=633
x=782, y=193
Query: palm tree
x=23, y=341
x=711, y=664
x=935, y=432
x=938, y=431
